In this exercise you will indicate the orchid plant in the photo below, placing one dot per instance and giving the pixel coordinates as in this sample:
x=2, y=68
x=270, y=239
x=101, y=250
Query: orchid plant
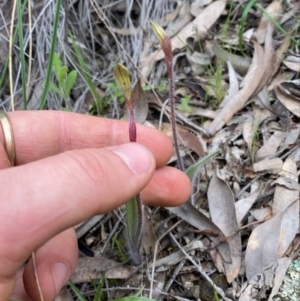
x=134, y=208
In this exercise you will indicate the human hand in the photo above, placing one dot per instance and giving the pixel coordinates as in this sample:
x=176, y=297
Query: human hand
x=70, y=167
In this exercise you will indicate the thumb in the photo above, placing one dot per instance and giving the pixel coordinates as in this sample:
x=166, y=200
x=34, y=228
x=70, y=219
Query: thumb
x=43, y=198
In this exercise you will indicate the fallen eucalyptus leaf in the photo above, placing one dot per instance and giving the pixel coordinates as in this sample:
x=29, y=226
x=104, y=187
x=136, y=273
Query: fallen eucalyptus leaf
x=222, y=210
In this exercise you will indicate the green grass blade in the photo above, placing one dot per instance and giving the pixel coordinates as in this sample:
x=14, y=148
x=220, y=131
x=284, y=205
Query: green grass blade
x=242, y=24
x=277, y=25
x=77, y=291
x=22, y=52
x=85, y=75
x=4, y=77
x=98, y=289
x=51, y=56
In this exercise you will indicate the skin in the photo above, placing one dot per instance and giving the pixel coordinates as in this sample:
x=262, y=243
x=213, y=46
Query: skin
x=70, y=167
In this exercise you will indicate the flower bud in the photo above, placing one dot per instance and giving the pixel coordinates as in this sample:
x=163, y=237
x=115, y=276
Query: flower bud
x=163, y=40
x=123, y=79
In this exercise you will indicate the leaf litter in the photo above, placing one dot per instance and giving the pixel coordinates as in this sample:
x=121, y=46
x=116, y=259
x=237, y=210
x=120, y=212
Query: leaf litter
x=242, y=223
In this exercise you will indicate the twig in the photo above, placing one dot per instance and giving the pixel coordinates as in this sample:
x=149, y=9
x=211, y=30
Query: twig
x=200, y=270
x=36, y=276
x=155, y=254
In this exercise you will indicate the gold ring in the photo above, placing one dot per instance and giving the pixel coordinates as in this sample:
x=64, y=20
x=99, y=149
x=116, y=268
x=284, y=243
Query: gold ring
x=9, y=142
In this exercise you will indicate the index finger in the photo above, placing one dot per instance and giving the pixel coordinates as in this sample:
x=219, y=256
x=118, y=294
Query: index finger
x=40, y=134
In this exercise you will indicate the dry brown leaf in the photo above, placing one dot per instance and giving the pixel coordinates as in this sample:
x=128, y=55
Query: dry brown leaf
x=237, y=102
x=262, y=250
x=283, y=198
x=283, y=265
x=287, y=100
x=196, y=29
x=183, y=18
x=186, y=138
x=274, y=10
x=243, y=206
x=233, y=85
x=268, y=165
x=270, y=147
x=269, y=59
x=222, y=210
x=140, y=104
x=293, y=65
x=198, y=220
x=262, y=214
x=280, y=53
x=93, y=268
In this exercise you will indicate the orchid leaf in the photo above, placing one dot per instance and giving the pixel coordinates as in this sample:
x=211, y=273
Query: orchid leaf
x=194, y=169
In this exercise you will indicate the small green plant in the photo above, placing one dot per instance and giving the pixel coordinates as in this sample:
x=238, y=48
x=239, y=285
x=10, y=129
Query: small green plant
x=98, y=290
x=119, y=245
x=184, y=104
x=65, y=79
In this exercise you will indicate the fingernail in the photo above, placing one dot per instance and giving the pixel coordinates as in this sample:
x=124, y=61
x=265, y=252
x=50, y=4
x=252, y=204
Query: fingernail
x=136, y=157
x=60, y=273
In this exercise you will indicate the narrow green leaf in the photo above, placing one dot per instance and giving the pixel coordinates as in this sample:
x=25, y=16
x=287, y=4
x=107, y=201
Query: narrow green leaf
x=70, y=81
x=84, y=74
x=77, y=291
x=134, y=221
x=56, y=63
x=56, y=89
x=62, y=76
x=98, y=289
x=249, y=5
x=193, y=169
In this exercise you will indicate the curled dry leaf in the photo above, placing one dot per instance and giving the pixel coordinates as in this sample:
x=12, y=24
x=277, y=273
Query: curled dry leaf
x=233, y=85
x=293, y=63
x=288, y=101
x=186, y=138
x=238, y=101
x=222, y=210
x=270, y=147
x=268, y=60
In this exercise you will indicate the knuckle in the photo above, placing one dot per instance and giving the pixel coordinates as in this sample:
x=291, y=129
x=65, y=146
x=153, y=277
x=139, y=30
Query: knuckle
x=90, y=169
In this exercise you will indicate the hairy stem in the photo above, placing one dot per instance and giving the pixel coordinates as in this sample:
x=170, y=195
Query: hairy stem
x=132, y=127
x=135, y=225
x=134, y=208
x=169, y=66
